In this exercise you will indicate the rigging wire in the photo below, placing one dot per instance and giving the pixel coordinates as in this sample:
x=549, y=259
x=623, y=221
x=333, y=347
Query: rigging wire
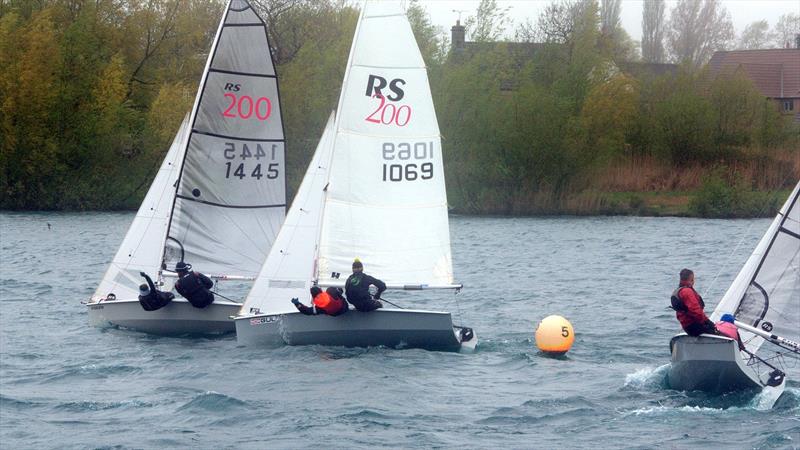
x=741, y=240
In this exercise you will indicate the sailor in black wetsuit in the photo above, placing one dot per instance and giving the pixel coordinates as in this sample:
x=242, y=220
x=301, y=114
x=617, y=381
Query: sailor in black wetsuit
x=193, y=286
x=357, y=289
x=151, y=298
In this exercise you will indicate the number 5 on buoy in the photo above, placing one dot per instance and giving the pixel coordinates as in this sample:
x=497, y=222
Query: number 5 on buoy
x=554, y=335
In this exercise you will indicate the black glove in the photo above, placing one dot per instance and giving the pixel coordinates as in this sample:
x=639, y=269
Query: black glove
x=142, y=274
x=295, y=301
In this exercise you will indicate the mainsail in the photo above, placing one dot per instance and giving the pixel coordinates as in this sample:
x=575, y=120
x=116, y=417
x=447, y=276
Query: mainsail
x=143, y=244
x=767, y=289
x=231, y=192
x=289, y=268
x=386, y=203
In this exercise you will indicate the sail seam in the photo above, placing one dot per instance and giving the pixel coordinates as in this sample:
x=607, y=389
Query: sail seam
x=369, y=66
x=230, y=206
x=231, y=72
x=207, y=133
x=243, y=25
x=388, y=136
x=372, y=205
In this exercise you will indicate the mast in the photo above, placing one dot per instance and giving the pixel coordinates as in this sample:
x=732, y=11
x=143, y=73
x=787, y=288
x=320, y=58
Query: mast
x=192, y=118
x=329, y=158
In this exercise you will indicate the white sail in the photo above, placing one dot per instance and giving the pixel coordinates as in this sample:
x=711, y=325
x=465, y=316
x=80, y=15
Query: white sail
x=289, y=269
x=386, y=202
x=143, y=244
x=767, y=289
x=231, y=195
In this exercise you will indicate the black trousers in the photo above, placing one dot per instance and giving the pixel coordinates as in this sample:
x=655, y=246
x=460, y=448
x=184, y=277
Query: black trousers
x=367, y=305
x=696, y=329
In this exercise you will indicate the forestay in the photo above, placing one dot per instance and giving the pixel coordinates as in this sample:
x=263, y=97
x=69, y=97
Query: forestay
x=289, y=268
x=386, y=203
x=231, y=195
x=767, y=289
x=143, y=244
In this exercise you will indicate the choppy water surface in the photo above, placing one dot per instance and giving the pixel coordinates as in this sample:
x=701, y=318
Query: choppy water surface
x=64, y=384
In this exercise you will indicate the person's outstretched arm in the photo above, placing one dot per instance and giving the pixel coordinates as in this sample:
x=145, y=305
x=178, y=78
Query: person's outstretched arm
x=149, y=281
x=309, y=311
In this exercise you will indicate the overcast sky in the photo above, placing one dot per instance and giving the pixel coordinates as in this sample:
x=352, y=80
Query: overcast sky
x=743, y=12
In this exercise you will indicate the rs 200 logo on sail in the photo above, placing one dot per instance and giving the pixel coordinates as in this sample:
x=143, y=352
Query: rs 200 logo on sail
x=387, y=111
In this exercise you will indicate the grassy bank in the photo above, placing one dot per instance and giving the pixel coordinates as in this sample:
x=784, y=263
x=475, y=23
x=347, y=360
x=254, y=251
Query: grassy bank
x=652, y=204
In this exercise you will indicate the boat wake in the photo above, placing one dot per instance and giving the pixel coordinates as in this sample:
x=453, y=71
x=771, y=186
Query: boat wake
x=654, y=379
x=648, y=378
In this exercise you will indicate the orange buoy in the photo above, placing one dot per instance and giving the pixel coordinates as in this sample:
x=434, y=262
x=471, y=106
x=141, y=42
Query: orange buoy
x=554, y=335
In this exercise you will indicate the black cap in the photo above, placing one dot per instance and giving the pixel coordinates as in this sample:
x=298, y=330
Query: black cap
x=182, y=267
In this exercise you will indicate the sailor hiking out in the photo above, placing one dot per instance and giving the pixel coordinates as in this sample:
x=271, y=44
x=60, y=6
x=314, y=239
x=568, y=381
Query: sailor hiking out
x=688, y=306
x=151, y=298
x=193, y=286
x=357, y=289
x=329, y=302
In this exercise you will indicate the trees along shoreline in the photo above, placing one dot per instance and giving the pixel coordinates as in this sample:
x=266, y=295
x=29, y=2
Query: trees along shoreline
x=91, y=96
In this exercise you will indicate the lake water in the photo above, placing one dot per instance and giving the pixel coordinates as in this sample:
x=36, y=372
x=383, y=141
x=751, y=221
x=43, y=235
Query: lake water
x=65, y=384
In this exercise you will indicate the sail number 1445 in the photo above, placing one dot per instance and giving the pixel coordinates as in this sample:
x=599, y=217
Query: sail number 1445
x=409, y=161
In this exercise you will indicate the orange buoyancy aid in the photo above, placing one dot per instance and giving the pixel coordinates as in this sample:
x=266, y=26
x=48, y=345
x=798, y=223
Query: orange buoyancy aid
x=329, y=305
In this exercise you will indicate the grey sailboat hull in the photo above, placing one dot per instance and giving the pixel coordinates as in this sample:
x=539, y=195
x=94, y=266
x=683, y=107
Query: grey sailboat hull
x=385, y=327
x=177, y=318
x=714, y=364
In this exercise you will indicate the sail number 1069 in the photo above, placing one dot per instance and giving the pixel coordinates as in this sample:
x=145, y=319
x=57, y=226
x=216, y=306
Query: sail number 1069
x=409, y=161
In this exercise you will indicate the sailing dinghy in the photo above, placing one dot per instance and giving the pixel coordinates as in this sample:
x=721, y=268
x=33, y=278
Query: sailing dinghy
x=219, y=198
x=374, y=190
x=765, y=301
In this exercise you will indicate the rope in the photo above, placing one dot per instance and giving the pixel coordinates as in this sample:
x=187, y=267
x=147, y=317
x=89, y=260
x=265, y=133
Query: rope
x=226, y=298
x=387, y=301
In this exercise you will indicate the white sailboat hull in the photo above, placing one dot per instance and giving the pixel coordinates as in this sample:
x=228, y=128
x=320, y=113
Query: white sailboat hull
x=179, y=317
x=384, y=327
x=714, y=364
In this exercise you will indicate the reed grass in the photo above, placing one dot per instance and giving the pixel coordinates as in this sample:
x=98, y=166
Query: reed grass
x=751, y=185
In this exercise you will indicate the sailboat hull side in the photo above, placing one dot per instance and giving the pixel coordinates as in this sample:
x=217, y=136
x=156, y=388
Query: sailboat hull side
x=709, y=363
x=177, y=318
x=386, y=327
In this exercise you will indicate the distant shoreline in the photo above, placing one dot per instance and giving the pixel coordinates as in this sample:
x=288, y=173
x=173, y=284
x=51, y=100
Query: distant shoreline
x=585, y=203
x=640, y=204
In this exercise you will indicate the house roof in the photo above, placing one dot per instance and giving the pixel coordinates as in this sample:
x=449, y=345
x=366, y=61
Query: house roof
x=774, y=72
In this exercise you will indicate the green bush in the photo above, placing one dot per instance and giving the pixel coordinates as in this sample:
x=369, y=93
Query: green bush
x=718, y=198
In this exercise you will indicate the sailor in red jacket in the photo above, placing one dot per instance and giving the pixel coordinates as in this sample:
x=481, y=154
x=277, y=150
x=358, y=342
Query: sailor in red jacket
x=688, y=306
x=329, y=302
